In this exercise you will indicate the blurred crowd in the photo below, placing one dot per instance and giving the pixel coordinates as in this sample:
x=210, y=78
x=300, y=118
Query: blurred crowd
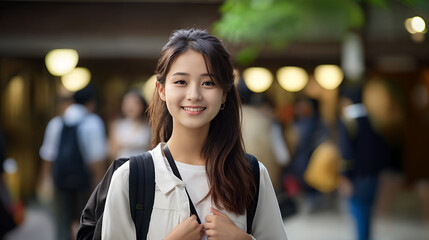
x=319, y=150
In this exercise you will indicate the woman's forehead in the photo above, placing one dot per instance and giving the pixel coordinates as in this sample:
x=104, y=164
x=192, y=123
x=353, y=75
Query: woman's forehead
x=190, y=61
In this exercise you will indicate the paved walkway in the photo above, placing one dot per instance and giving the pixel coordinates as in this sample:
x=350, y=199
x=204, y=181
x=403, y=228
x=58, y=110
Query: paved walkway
x=330, y=225
x=38, y=225
x=323, y=225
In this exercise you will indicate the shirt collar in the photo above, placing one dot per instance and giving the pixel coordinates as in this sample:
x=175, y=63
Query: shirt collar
x=164, y=178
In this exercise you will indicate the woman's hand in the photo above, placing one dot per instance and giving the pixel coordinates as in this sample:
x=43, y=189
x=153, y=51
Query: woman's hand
x=220, y=227
x=189, y=229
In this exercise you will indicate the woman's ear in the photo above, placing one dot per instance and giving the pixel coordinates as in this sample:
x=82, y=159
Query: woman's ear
x=224, y=97
x=161, y=91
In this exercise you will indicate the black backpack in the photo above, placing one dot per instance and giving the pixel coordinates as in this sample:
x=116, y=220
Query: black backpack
x=141, y=202
x=70, y=172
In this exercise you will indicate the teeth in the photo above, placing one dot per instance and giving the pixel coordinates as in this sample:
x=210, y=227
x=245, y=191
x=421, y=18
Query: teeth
x=193, y=109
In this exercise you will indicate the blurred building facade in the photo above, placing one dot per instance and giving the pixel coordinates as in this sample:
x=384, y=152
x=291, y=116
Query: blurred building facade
x=119, y=41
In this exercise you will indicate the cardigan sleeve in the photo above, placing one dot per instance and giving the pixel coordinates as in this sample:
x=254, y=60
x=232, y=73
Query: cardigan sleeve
x=268, y=223
x=117, y=221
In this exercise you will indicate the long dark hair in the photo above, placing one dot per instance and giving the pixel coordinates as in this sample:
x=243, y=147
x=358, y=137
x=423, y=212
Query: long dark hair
x=231, y=183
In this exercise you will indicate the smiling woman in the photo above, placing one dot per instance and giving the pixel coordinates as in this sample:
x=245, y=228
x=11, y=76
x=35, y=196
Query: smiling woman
x=206, y=185
x=194, y=99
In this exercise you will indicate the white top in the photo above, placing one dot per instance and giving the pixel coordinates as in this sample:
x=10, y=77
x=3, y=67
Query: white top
x=171, y=205
x=91, y=134
x=195, y=179
x=133, y=137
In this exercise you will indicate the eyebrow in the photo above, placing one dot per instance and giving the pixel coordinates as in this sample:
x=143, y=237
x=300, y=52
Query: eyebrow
x=187, y=74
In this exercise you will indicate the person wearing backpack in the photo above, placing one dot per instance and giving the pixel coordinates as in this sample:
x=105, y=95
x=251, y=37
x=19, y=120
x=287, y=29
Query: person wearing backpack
x=203, y=181
x=74, y=153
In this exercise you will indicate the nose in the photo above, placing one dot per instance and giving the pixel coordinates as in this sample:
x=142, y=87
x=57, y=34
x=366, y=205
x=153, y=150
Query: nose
x=194, y=92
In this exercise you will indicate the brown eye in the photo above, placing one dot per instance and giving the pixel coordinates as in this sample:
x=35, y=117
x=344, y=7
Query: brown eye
x=180, y=82
x=209, y=83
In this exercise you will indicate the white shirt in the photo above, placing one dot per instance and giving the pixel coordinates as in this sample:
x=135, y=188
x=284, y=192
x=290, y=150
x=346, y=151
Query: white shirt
x=91, y=134
x=171, y=205
x=195, y=179
x=133, y=137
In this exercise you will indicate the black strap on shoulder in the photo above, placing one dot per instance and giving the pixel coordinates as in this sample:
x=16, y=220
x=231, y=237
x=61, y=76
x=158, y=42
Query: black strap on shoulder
x=251, y=210
x=176, y=172
x=141, y=192
x=92, y=215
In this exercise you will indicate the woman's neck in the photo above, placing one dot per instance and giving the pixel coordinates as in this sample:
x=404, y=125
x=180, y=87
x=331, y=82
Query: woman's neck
x=186, y=145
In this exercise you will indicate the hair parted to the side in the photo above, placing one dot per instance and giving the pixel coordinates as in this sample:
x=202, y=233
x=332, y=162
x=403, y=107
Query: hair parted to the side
x=231, y=182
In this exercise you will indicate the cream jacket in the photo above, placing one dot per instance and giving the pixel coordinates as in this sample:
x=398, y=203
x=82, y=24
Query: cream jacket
x=171, y=206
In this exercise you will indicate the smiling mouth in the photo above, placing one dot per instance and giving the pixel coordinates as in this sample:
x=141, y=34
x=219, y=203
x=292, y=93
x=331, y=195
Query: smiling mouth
x=194, y=109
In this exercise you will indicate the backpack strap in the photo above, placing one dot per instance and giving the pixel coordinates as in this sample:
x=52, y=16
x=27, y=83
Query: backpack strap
x=177, y=174
x=251, y=210
x=141, y=192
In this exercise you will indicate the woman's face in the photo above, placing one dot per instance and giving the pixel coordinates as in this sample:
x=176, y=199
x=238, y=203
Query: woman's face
x=132, y=106
x=192, y=98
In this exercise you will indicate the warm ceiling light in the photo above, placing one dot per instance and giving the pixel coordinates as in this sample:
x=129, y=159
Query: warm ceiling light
x=418, y=24
x=76, y=79
x=328, y=76
x=148, y=88
x=61, y=61
x=292, y=79
x=408, y=26
x=257, y=79
x=415, y=25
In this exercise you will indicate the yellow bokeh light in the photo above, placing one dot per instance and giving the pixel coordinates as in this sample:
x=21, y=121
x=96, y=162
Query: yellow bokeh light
x=292, y=79
x=408, y=26
x=415, y=25
x=418, y=24
x=257, y=79
x=76, y=79
x=148, y=88
x=328, y=76
x=61, y=61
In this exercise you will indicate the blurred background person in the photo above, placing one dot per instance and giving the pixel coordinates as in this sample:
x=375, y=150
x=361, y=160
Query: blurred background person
x=365, y=154
x=44, y=190
x=91, y=140
x=130, y=135
x=263, y=137
x=310, y=131
x=262, y=133
x=385, y=103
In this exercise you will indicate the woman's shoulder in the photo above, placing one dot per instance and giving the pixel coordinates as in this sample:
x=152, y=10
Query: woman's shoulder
x=250, y=157
x=123, y=171
x=253, y=160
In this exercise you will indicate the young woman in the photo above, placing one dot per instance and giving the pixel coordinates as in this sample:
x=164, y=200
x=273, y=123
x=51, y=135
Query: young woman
x=196, y=113
x=130, y=134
